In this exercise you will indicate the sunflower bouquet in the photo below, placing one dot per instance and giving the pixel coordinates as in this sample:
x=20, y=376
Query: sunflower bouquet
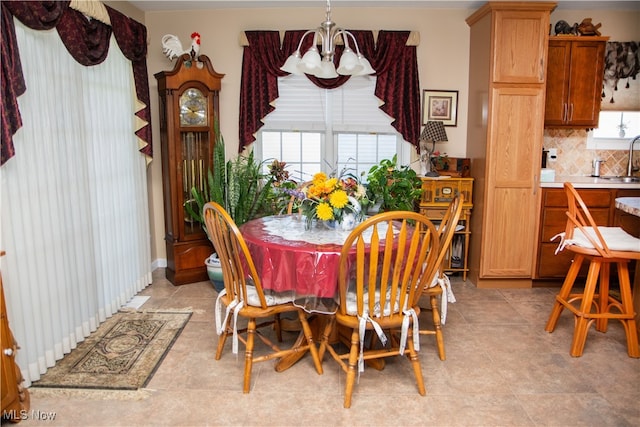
x=333, y=200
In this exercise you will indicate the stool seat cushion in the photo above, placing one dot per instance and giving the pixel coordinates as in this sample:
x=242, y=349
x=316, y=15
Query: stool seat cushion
x=616, y=238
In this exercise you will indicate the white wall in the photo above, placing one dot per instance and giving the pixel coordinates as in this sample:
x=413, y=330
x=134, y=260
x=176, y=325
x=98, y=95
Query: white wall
x=443, y=58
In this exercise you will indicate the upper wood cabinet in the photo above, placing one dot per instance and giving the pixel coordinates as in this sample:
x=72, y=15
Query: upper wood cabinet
x=508, y=52
x=574, y=81
x=522, y=37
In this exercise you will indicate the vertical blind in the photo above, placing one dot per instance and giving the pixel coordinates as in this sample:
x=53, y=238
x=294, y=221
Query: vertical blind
x=73, y=202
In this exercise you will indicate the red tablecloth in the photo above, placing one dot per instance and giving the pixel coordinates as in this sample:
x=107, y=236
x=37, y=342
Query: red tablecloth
x=289, y=258
x=307, y=268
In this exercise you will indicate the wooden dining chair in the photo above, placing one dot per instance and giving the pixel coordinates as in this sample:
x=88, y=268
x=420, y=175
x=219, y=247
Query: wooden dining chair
x=243, y=296
x=440, y=286
x=385, y=264
x=601, y=246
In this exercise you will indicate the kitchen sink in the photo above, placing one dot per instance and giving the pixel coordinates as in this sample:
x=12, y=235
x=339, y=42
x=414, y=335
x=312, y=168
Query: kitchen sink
x=621, y=178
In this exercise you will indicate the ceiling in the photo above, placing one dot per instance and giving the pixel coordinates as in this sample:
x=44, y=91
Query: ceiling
x=166, y=5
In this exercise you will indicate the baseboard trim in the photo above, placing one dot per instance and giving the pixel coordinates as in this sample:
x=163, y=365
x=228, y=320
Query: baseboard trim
x=159, y=263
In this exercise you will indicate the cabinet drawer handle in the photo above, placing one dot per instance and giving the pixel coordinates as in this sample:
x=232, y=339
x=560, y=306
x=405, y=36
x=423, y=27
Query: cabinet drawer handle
x=8, y=352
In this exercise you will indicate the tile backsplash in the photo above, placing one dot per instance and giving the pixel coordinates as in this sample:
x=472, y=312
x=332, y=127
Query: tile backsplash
x=574, y=159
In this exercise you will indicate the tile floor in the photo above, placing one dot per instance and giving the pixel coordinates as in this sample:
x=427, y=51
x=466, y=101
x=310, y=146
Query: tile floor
x=502, y=368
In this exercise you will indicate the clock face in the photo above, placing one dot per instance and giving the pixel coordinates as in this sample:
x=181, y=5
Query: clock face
x=193, y=108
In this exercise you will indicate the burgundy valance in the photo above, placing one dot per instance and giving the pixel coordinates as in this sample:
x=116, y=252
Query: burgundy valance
x=87, y=41
x=396, y=66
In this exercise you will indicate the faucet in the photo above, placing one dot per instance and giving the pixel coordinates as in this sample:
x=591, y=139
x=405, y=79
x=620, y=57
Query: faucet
x=630, y=168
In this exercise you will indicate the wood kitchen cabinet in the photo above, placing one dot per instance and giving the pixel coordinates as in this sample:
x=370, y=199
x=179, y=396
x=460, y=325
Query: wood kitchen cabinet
x=599, y=201
x=508, y=53
x=574, y=81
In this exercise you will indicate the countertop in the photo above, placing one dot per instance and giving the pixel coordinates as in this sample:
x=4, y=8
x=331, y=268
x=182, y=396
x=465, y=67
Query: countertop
x=629, y=204
x=588, y=182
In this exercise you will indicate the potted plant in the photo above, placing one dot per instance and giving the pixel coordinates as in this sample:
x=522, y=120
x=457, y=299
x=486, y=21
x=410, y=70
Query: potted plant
x=393, y=187
x=240, y=187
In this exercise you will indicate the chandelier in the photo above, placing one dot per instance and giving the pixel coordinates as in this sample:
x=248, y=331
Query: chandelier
x=351, y=64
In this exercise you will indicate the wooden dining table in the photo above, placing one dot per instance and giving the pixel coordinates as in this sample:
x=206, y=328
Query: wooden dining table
x=303, y=262
x=293, y=260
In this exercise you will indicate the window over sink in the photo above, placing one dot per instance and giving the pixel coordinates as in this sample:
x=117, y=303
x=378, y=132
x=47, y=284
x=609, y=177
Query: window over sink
x=615, y=130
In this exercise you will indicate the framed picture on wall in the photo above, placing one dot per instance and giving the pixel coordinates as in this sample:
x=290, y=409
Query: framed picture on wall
x=440, y=105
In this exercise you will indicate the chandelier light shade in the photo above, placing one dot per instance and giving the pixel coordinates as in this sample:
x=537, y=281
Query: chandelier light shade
x=320, y=64
x=433, y=131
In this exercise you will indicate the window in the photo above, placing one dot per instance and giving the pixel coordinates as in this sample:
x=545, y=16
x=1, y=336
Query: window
x=615, y=130
x=315, y=129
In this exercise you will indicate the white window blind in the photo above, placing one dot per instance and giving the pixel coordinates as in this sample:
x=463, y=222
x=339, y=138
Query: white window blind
x=352, y=107
x=316, y=129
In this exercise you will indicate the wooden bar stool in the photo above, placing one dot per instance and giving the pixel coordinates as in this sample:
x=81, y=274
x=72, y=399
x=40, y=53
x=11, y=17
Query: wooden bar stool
x=601, y=246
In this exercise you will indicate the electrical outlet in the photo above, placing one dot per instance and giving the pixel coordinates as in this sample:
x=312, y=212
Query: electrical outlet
x=553, y=154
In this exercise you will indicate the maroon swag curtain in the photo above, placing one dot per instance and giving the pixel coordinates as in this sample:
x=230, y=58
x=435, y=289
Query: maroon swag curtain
x=395, y=63
x=86, y=40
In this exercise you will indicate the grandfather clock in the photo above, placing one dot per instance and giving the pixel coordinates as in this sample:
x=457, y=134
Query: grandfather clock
x=189, y=105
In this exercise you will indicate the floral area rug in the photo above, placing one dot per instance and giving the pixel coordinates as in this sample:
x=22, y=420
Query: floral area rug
x=122, y=354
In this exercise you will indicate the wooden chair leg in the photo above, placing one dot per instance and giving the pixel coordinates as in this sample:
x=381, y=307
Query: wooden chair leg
x=248, y=355
x=352, y=368
x=580, y=336
x=563, y=295
x=222, y=339
x=437, y=325
x=583, y=322
x=603, y=297
x=626, y=298
x=415, y=362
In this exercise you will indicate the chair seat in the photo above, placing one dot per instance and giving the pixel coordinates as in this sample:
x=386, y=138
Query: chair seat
x=254, y=300
x=616, y=238
x=352, y=304
x=223, y=300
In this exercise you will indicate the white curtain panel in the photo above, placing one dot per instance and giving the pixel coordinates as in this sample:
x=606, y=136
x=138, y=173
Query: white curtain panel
x=73, y=202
